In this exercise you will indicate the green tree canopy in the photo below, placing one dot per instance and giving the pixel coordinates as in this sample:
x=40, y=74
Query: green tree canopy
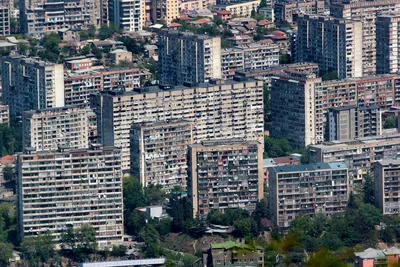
x=37, y=248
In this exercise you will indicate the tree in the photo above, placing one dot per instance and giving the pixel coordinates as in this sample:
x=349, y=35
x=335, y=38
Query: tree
x=133, y=193
x=274, y=147
x=9, y=173
x=135, y=222
x=325, y=258
x=305, y=156
x=106, y=32
x=80, y=240
x=23, y=48
x=118, y=251
x=10, y=140
x=6, y=251
x=84, y=35
x=92, y=31
x=85, y=50
x=330, y=75
x=37, y=248
x=51, y=44
x=391, y=122
x=368, y=189
x=267, y=103
x=132, y=45
x=284, y=59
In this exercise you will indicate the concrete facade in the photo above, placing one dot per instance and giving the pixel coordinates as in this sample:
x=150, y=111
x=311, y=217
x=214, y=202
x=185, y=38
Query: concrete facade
x=387, y=43
x=69, y=188
x=29, y=84
x=306, y=190
x=225, y=174
x=387, y=186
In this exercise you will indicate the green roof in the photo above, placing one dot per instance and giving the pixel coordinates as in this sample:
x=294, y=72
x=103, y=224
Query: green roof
x=230, y=244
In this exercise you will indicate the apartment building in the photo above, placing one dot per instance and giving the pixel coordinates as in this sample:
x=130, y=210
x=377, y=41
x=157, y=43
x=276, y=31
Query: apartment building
x=239, y=8
x=249, y=57
x=200, y=62
x=92, y=127
x=68, y=188
x=358, y=154
x=293, y=108
x=159, y=152
x=40, y=17
x=387, y=43
x=80, y=85
x=350, y=122
x=387, y=186
x=4, y=21
x=286, y=11
x=128, y=15
x=289, y=89
x=46, y=129
x=314, y=43
x=4, y=115
x=225, y=174
x=307, y=190
x=366, y=12
x=224, y=109
x=30, y=83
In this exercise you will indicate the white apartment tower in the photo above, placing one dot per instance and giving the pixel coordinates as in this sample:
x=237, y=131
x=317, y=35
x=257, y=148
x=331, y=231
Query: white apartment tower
x=30, y=83
x=40, y=17
x=388, y=43
x=46, y=129
x=366, y=12
x=187, y=58
x=335, y=44
x=128, y=15
x=69, y=188
x=225, y=109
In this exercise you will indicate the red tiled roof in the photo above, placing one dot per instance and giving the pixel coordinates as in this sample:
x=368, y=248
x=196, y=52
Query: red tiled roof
x=286, y=160
x=223, y=12
x=174, y=24
x=203, y=20
x=264, y=22
x=278, y=33
x=265, y=41
x=184, y=18
x=9, y=159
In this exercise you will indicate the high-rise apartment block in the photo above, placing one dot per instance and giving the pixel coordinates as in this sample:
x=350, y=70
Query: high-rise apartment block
x=387, y=186
x=225, y=109
x=306, y=190
x=285, y=10
x=128, y=15
x=4, y=21
x=290, y=88
x=187, y=58
x=69, y=188
x=249, y=57
x=358, y=154
x=388, y=43
x=335, y=44
x=366, y=12
x=40, y=17
x=46, y=129
x=159, y=152
x=224, y=174
x=293, y=108
x=29, y=83
x=80, y=85
x=350, y=122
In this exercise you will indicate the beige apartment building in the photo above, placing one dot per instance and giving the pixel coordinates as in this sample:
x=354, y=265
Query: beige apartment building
x=387, y=186
x=284, y=11
x=225, y=174
x=68, y=188
x=248, y=57
x=4, y=115
x=4, y=21
x=295, y=93
x=359, y=154
x=200, y=62
x=307, y=190
x=222, y=109
x=366, y=12
x=46, y=129
x=388, y=43
x=159, y=152
x=315, y=43
x=30, y=84
x=40, y=17
x=239, y=8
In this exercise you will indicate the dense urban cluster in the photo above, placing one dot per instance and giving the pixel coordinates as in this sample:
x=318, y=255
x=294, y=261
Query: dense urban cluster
x=199, y=133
